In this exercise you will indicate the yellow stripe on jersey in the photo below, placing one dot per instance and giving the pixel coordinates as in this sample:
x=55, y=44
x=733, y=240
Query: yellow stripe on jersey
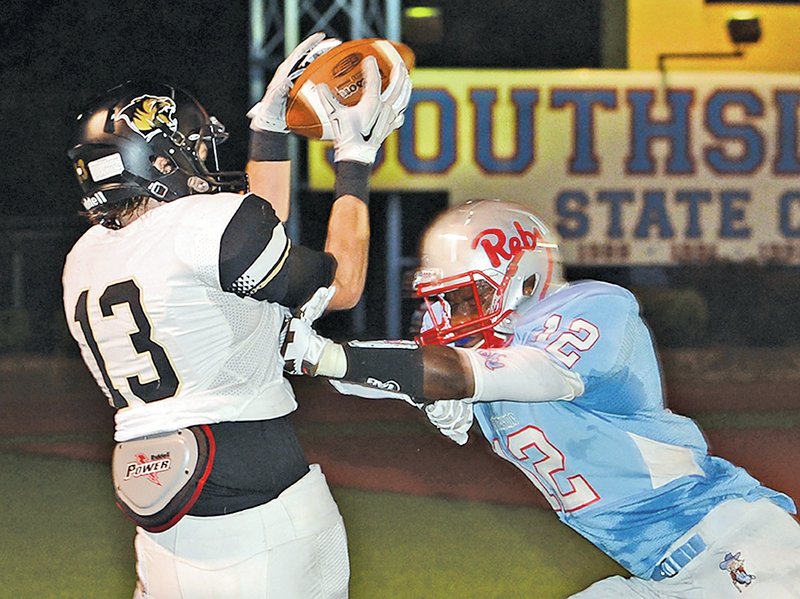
x=275, y=270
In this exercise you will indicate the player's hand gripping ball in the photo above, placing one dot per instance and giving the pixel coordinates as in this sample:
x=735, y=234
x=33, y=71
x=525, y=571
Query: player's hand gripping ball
x=340, y=69
x=269, y=114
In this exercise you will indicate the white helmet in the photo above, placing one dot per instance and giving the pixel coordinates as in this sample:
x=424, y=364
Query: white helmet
x=478, y=262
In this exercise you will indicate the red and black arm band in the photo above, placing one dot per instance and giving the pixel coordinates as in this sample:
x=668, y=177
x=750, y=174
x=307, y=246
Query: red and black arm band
x=389, y=365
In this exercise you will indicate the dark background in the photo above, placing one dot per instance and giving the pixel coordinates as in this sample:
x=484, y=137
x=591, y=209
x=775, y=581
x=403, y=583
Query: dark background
x=57, y=55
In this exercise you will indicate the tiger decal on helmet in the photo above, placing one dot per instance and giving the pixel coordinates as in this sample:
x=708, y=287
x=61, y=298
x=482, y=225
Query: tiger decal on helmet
x=148, y=115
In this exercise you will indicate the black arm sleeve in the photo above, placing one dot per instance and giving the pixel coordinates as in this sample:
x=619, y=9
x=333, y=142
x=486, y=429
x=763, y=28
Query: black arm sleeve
x=388, y=365
x=306, y=271
x=257, y=259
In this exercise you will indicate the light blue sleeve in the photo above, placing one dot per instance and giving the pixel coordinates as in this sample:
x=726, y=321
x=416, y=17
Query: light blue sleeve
x=589, y=332
x=603, y=327
x=596, y=332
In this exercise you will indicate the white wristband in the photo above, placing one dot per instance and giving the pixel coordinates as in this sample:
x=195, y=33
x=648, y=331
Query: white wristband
x=332, y=362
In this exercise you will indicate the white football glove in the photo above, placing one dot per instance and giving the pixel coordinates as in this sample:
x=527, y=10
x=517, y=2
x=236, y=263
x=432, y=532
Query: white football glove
x=359, y=131
x=302, y=333
x=302, y=347
x=270, y=113
x=452, y=417
x=316, y=306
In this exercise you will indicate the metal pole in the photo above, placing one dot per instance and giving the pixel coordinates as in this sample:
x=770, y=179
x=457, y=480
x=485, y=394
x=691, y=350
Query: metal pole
x=394, y=220
x=357, y=19
x=256, y=50
x=393, y=20
x=291, y=25
x=291, y=37
x=394, y=263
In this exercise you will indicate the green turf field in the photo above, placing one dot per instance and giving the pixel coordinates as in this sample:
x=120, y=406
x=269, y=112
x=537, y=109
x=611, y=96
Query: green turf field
x=62, y=537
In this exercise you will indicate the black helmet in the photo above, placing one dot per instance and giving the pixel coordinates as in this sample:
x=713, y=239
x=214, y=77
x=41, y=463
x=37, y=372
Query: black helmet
x=147, y=139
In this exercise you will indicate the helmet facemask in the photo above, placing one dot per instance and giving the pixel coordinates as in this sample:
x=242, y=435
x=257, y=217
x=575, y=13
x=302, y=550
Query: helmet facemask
x=472, y=309
x=189, y=156
x=480, y=263
x=458, y=310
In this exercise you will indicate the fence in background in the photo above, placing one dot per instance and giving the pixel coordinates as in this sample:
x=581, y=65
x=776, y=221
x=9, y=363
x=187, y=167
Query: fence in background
x=687, y=306
x=32, y=253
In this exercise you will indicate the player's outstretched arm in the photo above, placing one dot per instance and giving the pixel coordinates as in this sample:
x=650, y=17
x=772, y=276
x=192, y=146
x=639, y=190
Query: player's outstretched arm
x=268, y=167
x=433, y=378
x=423, y=373
x=358, y=132
x=432, y=372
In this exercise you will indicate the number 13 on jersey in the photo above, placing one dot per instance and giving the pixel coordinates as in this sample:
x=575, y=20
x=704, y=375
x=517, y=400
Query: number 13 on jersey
x=127, y=293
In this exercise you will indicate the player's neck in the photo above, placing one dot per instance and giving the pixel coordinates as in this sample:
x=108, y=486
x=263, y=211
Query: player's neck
x=143, y=208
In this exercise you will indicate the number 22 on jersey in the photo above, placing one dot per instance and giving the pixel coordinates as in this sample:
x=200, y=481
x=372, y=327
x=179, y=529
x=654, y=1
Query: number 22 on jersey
x=127, y=293
x=565, y=492
x=545, y=466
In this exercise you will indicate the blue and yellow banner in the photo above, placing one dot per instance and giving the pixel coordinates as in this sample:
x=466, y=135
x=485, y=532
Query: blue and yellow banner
x=630, y=167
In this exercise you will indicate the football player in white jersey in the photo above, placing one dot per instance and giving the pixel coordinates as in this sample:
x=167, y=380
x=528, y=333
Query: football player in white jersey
x=176, y=296
x=564, y=382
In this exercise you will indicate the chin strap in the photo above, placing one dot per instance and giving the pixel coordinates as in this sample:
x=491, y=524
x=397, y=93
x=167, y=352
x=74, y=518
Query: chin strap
x=233, y=181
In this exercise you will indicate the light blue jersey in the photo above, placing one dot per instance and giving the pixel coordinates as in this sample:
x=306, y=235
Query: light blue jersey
x=614, y=463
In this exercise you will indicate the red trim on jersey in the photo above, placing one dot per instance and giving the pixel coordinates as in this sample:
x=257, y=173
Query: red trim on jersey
x=212, y=449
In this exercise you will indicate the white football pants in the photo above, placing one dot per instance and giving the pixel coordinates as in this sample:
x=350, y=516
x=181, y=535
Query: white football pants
x=293, y=547
x=766, y=539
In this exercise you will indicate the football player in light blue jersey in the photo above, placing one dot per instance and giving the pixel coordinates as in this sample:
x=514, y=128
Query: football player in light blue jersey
x=564, y=382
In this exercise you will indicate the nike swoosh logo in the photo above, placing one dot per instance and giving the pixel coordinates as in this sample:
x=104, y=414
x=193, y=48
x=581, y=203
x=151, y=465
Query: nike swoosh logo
x=368, y=136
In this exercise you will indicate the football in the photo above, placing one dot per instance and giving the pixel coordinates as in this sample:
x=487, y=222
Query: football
x=339, y=68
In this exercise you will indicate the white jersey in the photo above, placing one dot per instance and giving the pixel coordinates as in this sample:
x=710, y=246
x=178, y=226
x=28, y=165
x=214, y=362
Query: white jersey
x=170, y=342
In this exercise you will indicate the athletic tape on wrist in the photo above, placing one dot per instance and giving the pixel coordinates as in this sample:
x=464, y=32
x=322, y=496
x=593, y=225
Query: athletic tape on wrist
x=388, y=365
x=268, y=146
x=352, y=178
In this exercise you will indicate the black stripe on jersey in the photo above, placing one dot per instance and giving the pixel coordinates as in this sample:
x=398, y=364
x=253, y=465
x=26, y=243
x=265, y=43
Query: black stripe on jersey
x=244, y=240
x=307, y=271
x=257, y=260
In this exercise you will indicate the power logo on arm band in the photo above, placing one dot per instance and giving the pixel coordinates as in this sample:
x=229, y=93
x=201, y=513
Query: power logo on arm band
x=388, y=365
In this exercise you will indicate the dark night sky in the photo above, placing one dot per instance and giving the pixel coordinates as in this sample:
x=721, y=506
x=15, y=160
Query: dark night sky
x=57, y=55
